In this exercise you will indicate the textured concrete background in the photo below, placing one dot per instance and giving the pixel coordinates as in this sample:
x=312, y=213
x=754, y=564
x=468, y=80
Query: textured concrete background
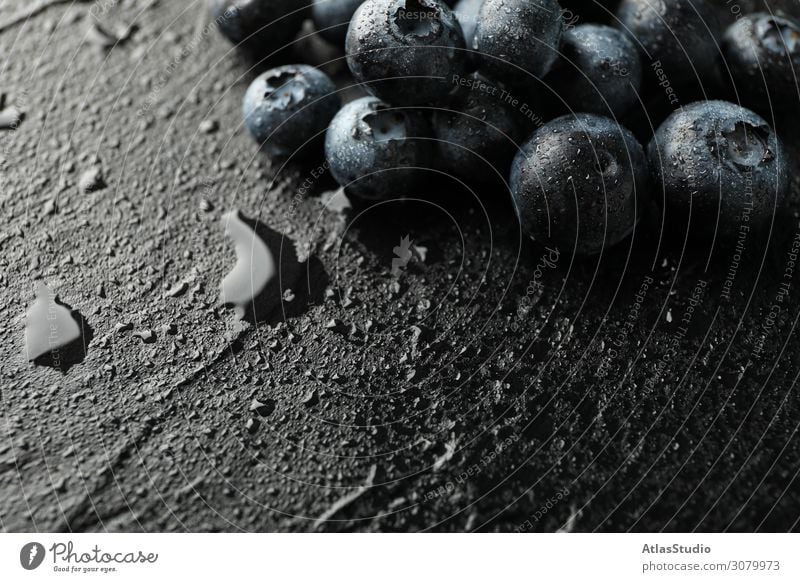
x=487, y=387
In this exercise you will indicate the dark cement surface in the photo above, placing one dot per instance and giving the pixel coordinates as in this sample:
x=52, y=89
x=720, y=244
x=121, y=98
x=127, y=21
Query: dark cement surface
x=483, y=388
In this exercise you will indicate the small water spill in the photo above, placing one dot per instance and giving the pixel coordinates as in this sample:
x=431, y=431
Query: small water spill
x=49, y=328
x=336, y=201
x=254, y=269
x=10, y=117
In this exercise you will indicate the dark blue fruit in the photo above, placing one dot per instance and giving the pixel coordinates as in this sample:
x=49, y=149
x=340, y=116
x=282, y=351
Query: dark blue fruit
x=763, y=56
x=406, y=51
x=599, y=71
x=677, y=38
x=332, y=17
x=260, y=26
x=717, y=166
x=375, y=151
x=479, y=133
x=289, y=107
x=579, y=182
x=517, y=39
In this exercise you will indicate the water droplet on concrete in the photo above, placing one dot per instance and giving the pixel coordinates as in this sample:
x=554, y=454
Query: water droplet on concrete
x=208, y=126
x=146, y=335
x=10, y=118
x=92, y=180
x=336, y=201
x=178, y=289
x=254, y=269
x=252, y=425
x=311, y=397
x=49, y=326
x=262, y=408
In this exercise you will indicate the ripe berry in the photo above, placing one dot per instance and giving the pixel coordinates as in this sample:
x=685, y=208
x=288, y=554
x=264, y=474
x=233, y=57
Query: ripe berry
x=289, y=107
x=332, y=17
x=763, y=55
x=375, y=151
x=479, y=132
x=717, y=164
x=578, y=183
x=599, y=71
x=517, y=39
x=678, y=37
x=405, y=51
x=261, y=26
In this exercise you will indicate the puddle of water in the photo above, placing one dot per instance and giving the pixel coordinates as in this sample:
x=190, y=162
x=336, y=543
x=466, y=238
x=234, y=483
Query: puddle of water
x=336, y=201
x=10, y=118
x=254, y=269
x=49, y=325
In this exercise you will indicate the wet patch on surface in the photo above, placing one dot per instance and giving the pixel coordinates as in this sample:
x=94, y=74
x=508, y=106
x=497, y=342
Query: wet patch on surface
x=55, y=335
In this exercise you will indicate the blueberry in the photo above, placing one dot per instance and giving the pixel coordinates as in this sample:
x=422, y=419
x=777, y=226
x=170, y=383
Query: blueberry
x=763, y=55
x=332, y=17
x=289, y=107
x=599, y=71
x=260, y=26
x=517, y=40
x=480, y=129
x=579, y=182
x=406, y=50
x=466, y=12
x=375, y=151
x=720, y=162
x=678, y=37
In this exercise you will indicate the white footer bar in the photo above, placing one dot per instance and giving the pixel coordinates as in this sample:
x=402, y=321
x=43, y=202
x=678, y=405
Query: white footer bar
x=398, y=557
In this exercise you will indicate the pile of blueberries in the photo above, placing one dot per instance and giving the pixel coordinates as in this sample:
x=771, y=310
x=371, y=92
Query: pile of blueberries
x=453, y=86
